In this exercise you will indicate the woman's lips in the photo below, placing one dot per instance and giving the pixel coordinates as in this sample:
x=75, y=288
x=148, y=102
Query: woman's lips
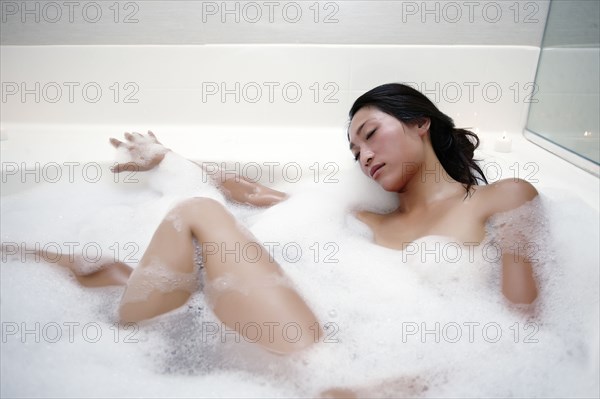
x=374, y=169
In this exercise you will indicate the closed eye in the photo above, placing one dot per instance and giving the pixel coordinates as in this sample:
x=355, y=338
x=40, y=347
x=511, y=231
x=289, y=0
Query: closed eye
x=357, y=155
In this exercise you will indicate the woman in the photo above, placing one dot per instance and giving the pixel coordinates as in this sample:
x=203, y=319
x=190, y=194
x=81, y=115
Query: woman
x=408, y=146
x=401, y=140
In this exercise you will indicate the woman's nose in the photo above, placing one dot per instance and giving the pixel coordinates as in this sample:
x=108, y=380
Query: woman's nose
x=368, y=157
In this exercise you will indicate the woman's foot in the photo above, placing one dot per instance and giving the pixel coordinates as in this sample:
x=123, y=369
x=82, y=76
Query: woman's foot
x=400, y=387
x=115, y=273
x=103, y=272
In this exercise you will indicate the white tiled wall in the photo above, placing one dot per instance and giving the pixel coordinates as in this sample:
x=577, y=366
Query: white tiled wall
x=485, y=22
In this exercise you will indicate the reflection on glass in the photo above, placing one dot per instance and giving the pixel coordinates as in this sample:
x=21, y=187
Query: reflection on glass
x=566, y=107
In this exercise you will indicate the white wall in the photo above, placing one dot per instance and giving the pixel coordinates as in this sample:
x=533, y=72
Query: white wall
x=500, y=22
x=485, y=87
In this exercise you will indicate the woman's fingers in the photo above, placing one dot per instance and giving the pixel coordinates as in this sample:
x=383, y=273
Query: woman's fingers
x=136, y=137
x=116, y=143
x=137, y=145
x=153, y=137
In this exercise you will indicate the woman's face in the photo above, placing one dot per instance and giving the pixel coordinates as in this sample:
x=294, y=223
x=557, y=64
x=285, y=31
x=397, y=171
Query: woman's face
x=388, y=151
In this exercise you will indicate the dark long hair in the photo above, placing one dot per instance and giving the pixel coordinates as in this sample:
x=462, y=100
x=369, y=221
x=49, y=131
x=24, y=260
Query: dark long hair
x=453, y=147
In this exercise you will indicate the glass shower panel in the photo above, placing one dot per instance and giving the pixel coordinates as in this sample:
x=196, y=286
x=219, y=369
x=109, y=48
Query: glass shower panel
x=564, y=115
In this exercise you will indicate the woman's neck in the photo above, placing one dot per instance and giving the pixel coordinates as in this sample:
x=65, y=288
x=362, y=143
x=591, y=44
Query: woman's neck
x=430, y=185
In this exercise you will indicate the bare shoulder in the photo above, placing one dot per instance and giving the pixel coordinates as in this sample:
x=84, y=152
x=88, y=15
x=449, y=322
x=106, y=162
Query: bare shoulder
x=505, y=195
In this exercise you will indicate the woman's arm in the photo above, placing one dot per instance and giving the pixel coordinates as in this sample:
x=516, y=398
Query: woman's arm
x=146, y=152
x=243, y=191
x=518, y=281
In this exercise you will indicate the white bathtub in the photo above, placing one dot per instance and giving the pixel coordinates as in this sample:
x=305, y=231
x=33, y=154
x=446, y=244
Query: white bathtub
x=283, y=105
x=194, y=95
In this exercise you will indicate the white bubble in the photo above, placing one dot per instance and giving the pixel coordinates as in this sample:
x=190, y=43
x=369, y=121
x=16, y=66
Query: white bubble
x=366, y=296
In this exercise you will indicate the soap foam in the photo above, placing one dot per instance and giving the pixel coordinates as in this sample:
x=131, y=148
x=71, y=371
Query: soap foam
x=429, y=327
x=157, y=276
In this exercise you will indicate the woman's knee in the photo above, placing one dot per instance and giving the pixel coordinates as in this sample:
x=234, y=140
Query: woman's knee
x=200, y=206
x=201, y=202
x=200, y=213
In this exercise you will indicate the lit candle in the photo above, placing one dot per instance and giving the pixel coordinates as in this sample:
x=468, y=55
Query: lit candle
x=503, y=144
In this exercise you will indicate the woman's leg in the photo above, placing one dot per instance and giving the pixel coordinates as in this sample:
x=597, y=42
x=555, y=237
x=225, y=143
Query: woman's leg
x=112, y=273
x=102, y=273
x=399, y=387
x=245, y=287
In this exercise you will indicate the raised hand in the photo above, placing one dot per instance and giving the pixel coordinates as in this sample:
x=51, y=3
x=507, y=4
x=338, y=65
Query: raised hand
x=144, y=152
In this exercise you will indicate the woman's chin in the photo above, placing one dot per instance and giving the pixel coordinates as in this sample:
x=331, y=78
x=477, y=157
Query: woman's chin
x=391, y=188
x=391, y=185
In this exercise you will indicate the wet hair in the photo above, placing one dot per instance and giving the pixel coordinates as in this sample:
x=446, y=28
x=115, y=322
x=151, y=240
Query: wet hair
x=453, y=147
